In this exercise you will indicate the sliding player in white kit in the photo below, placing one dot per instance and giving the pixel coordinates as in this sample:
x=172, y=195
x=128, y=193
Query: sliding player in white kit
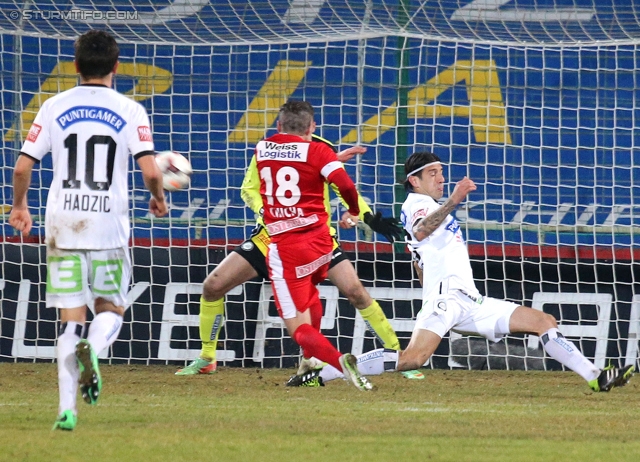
x=450, y=300
x=90, y=130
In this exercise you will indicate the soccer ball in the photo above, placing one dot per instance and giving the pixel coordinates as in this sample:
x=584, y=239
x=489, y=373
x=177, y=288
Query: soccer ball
x=176, y=170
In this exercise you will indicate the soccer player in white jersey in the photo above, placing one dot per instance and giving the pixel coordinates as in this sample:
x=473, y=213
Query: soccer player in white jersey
x=450, y=300
x=90, y=130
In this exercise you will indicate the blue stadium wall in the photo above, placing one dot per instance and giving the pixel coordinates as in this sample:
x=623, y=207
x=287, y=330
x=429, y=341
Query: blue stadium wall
x=569, y=113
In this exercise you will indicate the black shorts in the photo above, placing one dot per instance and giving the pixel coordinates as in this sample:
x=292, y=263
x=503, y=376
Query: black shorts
x=254, y=250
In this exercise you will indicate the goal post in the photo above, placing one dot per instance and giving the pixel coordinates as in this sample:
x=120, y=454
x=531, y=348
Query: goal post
x=536, y=103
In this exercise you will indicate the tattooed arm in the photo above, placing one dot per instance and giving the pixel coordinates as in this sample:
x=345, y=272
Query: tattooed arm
x=427, y=225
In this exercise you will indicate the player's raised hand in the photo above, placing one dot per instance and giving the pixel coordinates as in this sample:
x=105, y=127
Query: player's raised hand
x=389, y=227
x=159, y=208
x=21, y=220
x=462, y=189
x=348, y=221
x=349, y=153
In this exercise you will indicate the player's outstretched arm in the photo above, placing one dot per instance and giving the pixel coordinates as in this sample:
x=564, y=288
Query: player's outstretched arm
x=349, y=153
x=425, y=227
x=347, y=220
x=348, y=192
x=153, y=181
x=20, y=218
x=390, y=227
x=250, y=189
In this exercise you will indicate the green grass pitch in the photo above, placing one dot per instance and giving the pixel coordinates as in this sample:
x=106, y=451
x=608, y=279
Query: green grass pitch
x=146, y=413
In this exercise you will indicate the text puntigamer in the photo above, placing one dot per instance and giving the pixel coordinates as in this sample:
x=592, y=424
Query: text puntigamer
x=90, y=113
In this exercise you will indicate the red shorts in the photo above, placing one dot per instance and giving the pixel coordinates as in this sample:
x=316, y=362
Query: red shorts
x=295, y=266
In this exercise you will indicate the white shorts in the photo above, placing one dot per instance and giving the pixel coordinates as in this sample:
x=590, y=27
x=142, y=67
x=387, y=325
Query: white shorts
x=454, y=310
x=74, y=277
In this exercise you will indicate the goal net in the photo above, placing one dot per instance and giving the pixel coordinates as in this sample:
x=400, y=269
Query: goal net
x=533, y=100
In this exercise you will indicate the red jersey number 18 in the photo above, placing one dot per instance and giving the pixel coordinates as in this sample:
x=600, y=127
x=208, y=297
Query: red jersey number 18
x=287, y=180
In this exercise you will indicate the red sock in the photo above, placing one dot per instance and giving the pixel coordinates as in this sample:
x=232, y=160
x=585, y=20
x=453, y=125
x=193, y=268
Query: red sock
x=315, y=311
x=315, y=344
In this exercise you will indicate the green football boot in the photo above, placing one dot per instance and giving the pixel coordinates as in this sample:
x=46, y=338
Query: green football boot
x=612, y=377
x=66, y=421
x=198, y=366
x=351, y=373
x=413, y=375
x=308, y=379
x=308, y=365
x=90, y=380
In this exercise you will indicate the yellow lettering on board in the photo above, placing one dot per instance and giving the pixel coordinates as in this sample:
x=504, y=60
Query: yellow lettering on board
x=150, y=80
x=263, y=109
x=485, y=110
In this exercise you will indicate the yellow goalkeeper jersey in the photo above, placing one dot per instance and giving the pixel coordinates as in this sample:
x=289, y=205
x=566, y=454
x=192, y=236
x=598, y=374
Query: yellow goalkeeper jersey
x=250, y=192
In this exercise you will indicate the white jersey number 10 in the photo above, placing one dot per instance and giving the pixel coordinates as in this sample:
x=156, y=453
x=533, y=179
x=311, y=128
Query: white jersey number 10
x=72, y=182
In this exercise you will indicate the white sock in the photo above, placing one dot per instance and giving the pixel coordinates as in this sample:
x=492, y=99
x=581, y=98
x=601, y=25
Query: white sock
x=567, y=354
x=104, y=330
x=329, y=373
x=374, y=362
x=70, y=334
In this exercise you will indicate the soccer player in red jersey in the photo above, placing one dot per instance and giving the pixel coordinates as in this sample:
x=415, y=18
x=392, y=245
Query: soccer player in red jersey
x=292, y=175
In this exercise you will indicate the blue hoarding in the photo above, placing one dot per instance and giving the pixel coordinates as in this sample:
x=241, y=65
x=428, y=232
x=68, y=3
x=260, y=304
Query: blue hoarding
x=547, y=132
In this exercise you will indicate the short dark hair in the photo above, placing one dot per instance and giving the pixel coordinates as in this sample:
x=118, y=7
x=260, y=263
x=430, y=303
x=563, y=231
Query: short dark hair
x=415, y=161
x=96, y=53
x=295, y=117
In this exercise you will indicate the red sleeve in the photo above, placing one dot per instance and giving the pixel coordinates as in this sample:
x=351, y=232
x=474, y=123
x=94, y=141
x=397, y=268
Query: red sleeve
x=347, y=189
x=331, y=169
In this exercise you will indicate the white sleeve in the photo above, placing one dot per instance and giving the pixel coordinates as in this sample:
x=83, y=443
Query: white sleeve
x=420, y=209
x=38, y=142
x=139, y=138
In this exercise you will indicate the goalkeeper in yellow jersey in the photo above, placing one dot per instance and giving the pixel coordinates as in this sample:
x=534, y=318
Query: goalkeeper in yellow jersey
x=247, y=262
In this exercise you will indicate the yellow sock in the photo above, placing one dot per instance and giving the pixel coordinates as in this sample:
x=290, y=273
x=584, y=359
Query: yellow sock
x=378, y=324
x=211, y=320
